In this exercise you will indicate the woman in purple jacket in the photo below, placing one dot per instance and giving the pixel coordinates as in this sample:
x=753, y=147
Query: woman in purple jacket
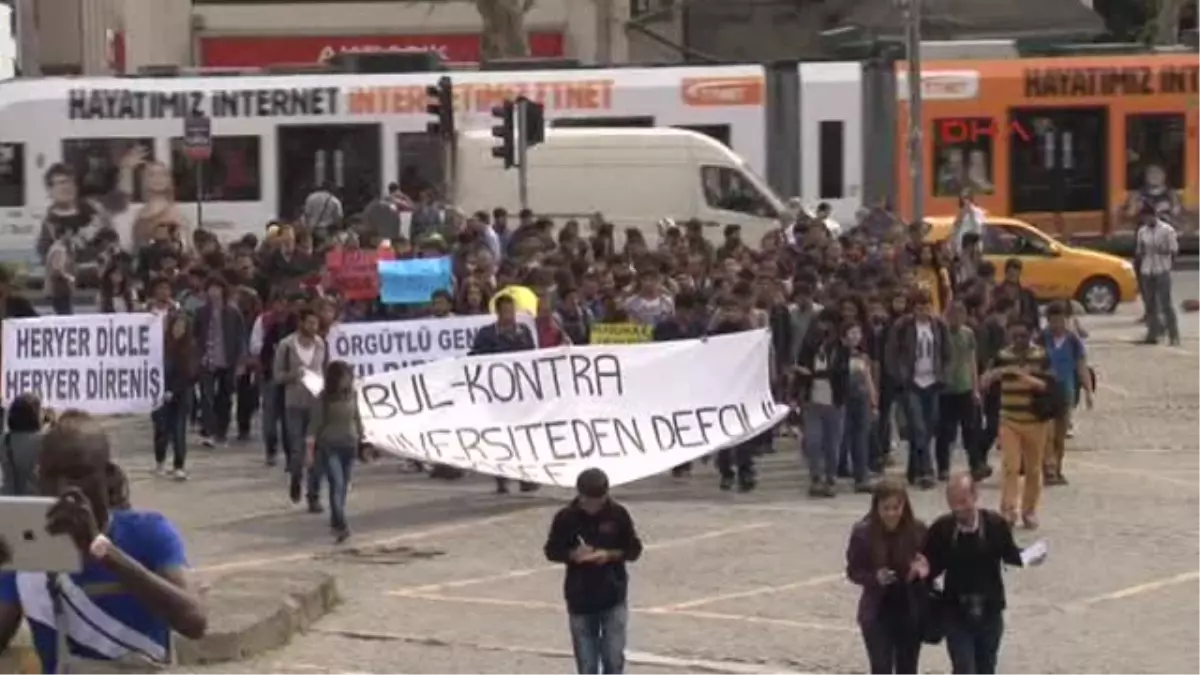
x=884, y=557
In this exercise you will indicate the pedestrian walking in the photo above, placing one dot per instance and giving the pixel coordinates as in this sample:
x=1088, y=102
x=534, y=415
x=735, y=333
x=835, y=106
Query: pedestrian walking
x=1157, y=246
x=301, y=354
x=171, y=418
x=595, y=537
x=337, y=432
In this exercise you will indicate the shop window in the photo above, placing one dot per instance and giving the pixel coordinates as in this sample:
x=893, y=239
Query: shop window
x=12, y=174
x=231, y=174
x=99, y=163
x=962, y=155
x=832, y=159
x=1155, y=140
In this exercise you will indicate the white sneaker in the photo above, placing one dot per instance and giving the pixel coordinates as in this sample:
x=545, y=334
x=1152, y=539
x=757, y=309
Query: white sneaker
x=160, y=469
x=179, y=475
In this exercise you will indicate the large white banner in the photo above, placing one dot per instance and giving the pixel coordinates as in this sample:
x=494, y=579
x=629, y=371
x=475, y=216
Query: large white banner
x=385, y=346
x=103, y=363
x=546, y=415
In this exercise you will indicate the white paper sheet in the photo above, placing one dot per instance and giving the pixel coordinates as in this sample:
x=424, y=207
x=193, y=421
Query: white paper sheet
x=313, y=382
x=1035, y=553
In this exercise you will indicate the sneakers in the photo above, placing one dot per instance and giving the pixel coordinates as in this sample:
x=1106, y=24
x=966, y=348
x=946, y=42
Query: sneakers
x=208, y=442
x=160, y=469
x=821, y=490
x=314, y=506
x=1030, y=521
x=179, y=475
x=340, y=535
x=863, y=487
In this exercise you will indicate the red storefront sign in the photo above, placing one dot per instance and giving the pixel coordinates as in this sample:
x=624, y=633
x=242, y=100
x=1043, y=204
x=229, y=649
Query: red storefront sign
x=266, y=50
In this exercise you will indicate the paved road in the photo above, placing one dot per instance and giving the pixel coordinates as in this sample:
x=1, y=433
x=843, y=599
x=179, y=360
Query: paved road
x=450, y=578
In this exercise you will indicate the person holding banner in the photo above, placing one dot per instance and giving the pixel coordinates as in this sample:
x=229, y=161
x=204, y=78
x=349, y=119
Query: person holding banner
x=504, y=336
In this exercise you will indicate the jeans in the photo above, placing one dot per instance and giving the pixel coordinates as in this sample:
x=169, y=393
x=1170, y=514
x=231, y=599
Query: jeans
x=1158, y=307
x=822, y=440
x=956, y=413
x=856, y=437
x=247, y=404
x=62, y=303
x=216, y=401
x=297, y=430
x=274, y=421
x=974, y=644
x=599, y=640
x=921, y=411
x=987, y=428
x=338, y=462
x=892, y=646
x=170, y=427
x=881, y=439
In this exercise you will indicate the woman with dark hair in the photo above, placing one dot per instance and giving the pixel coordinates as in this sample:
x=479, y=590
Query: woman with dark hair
x=22, y=443
x=181, y=362
x=116, y=290
x=337, y=433
x=933, y=275
x=884, y=558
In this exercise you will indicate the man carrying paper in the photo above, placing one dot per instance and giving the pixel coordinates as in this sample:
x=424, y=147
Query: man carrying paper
x=298, y=358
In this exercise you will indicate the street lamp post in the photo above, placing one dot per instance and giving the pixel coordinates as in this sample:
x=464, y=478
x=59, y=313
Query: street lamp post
x=916, y=157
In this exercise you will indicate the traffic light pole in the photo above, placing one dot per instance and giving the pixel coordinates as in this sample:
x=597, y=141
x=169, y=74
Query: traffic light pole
x=522, y=150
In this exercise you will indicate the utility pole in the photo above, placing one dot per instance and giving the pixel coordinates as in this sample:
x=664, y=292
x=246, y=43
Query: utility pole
x=916, y=143
x=522, y=148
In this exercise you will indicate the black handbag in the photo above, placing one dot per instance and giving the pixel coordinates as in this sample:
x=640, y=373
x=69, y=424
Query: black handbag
x=929, y=611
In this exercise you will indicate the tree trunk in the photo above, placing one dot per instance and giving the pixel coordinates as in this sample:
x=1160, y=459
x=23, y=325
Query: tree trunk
x=503, y=28
x=1166, y=22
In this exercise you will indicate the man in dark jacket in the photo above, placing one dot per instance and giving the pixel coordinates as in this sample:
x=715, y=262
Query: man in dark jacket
x=595, y=536
x=505, y=336
x=220, y=334
x=686, y=323
x=918, y=352
x=736, y=462
x=1026, y=302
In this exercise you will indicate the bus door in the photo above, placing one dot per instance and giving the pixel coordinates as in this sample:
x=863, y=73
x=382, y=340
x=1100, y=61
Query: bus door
x=1058, y=164
x=348, y=156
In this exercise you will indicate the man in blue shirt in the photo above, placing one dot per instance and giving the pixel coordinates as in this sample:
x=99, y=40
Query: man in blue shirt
x=131, y=592
x=1068, y=362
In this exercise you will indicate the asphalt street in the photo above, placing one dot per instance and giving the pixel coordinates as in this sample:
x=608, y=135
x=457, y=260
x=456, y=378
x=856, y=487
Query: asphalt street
x=448, y=577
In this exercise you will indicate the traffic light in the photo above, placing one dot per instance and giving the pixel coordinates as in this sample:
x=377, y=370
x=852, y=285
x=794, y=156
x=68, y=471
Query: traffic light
x=504, y=130
x=534, y=131
x=441, y=107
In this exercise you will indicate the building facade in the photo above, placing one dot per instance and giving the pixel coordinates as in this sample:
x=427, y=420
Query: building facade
x=108, y=36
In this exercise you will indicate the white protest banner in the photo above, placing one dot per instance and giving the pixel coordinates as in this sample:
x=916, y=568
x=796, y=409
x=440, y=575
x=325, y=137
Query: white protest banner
x=384, y=346
x=546, y=415
x=106, y=364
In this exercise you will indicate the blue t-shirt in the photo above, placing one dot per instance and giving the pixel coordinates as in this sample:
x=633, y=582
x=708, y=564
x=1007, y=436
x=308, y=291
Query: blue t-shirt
x=1064, y=360
x=145, y=536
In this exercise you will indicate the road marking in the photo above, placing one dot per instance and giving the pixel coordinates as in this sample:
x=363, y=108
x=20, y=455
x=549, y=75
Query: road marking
x=631, y=656
x=404, y=536
x=740, y=618
x=1104, y=468
x=1119, y=391
x=517, y=574
x=762, y=590
x=1136, y=590
x=656, y=611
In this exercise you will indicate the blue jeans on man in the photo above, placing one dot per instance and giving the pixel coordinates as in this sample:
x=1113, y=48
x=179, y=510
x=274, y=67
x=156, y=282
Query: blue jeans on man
x=598, y=640
x=822, y=440
x=921, y=413
x=974, y=643
x=337, y=460
x=274, y=421
x=296, y=425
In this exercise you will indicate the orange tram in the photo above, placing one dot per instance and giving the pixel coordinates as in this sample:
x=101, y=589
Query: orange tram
x=1059, y=142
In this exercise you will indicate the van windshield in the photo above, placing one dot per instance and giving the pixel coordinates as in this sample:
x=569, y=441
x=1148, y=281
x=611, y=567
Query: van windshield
x=729, y=189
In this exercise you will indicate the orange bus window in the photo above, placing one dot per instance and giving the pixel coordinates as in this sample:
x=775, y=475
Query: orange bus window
x=962, y=155
x=1155, y=140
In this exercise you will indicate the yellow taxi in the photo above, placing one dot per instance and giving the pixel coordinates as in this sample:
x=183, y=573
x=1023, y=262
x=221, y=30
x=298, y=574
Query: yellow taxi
x=1052, y=270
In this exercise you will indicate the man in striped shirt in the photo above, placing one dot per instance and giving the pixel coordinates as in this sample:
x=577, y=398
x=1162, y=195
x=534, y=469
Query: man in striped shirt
x=1021, y=368
x=1157, y=246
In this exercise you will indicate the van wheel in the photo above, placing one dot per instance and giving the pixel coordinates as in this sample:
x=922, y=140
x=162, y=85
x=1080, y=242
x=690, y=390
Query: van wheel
x=1099, y=295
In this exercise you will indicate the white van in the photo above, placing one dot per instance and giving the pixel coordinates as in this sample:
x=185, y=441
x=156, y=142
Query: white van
x=635, y=177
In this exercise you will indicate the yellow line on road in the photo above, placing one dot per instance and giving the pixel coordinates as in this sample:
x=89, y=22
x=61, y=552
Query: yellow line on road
x=762, y=590
x=1138, y=589
x=1149, y=475
x=517, y=574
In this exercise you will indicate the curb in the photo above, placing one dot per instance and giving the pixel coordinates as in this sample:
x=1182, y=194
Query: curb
x=242, y=629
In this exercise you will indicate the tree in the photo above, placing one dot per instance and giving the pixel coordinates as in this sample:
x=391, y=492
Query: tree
x=1164, y=30
x=504, y=28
